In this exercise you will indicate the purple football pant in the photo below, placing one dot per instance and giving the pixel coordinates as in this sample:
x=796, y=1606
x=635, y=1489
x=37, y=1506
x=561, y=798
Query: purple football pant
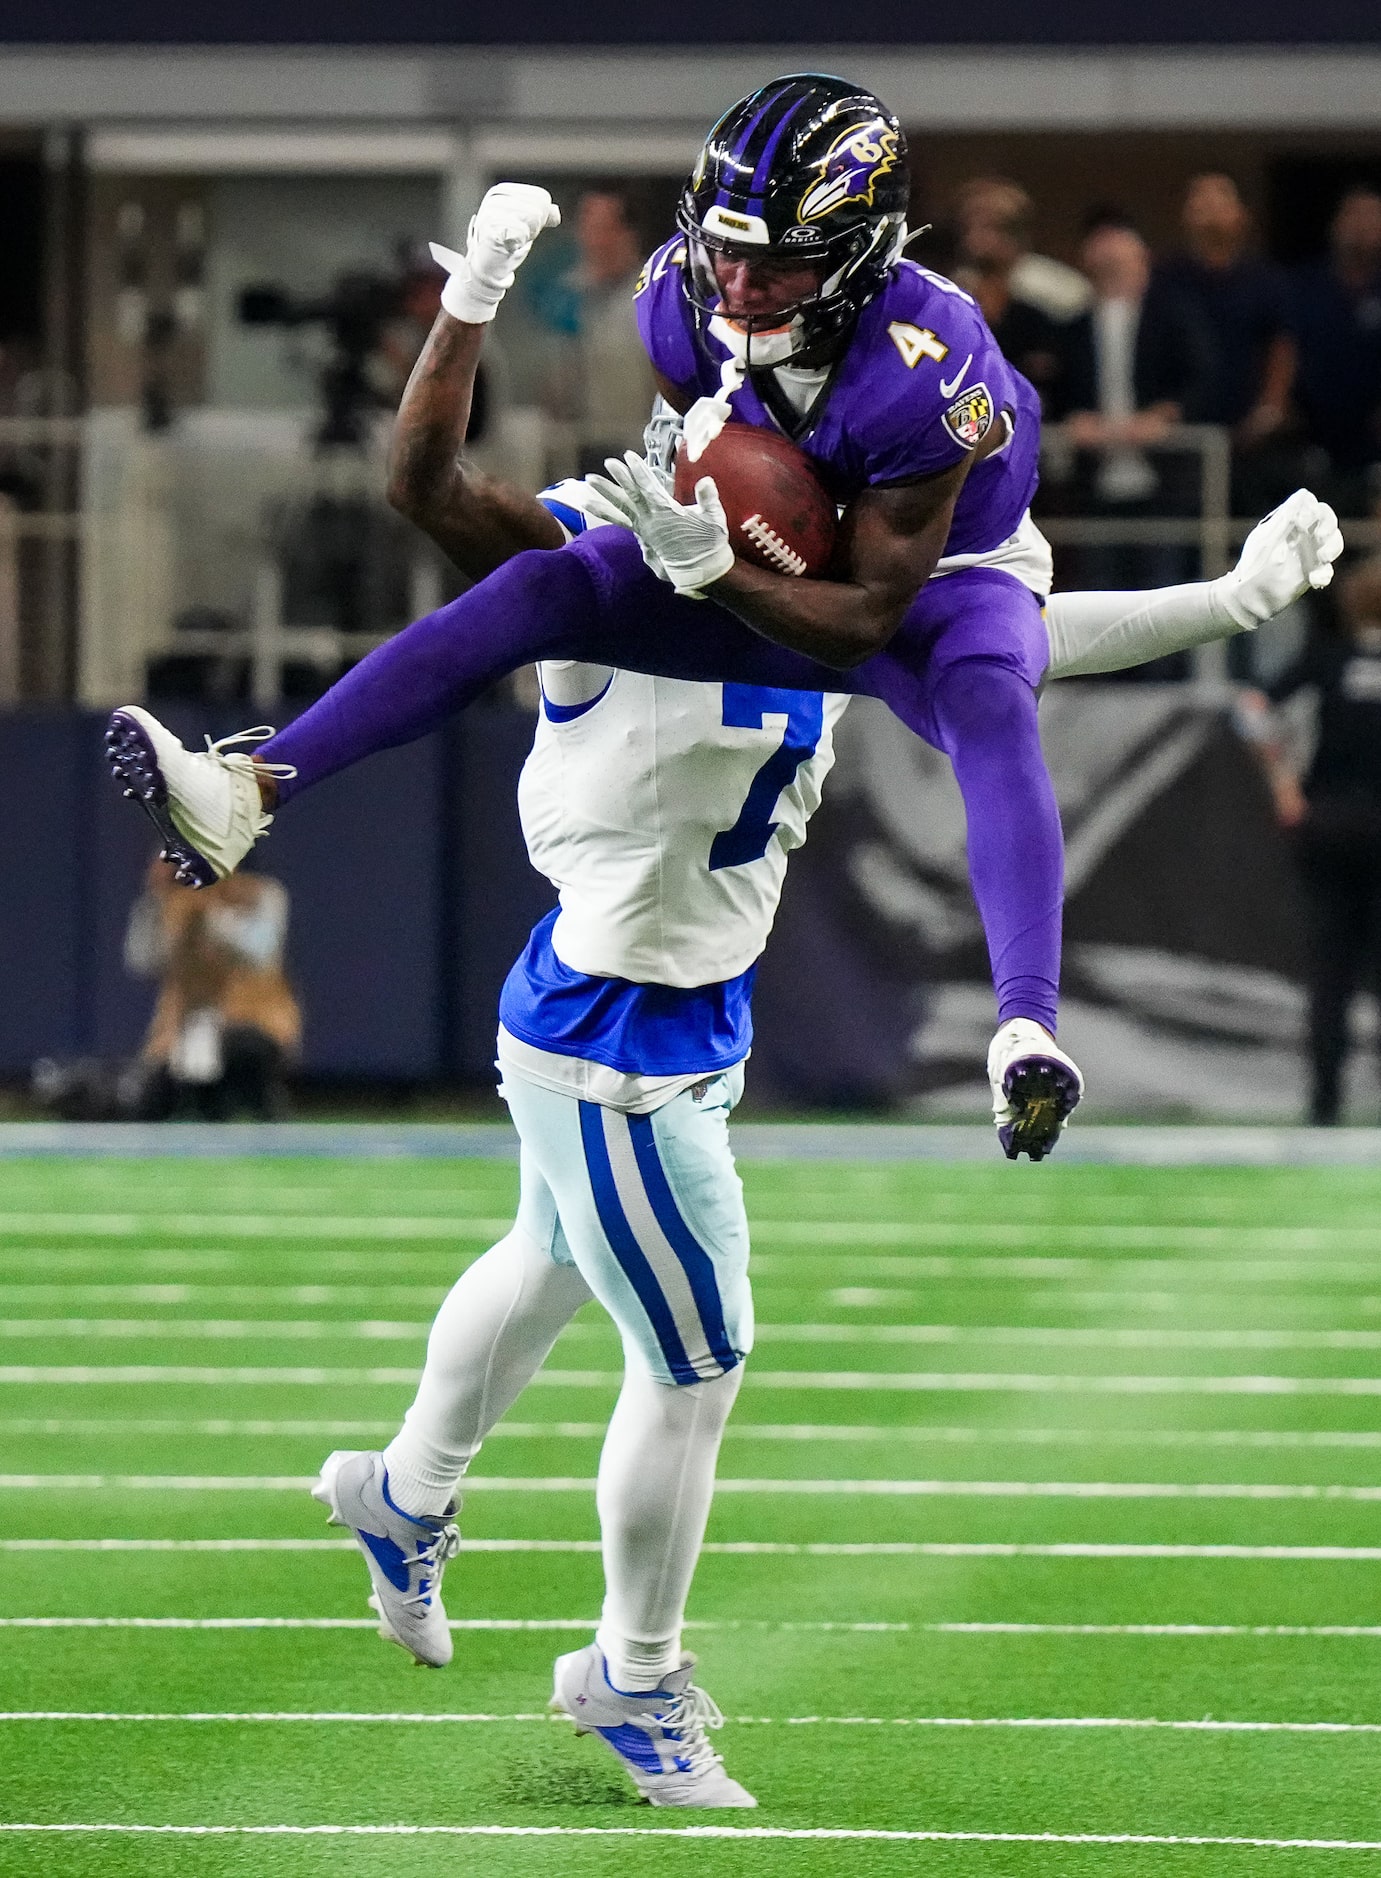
x=961, y=672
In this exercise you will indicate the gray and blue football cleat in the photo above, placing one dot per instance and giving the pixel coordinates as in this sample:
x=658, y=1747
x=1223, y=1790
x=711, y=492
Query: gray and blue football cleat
x=659, y=1736
x=406, y=1553
x=1036, y=1088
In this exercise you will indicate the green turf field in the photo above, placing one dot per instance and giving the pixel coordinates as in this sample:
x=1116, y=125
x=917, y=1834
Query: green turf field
x=1050, y=1506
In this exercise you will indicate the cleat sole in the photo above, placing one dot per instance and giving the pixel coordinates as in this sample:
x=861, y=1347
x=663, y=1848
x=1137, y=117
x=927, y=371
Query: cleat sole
x=1044, y=1095
x=134, y=763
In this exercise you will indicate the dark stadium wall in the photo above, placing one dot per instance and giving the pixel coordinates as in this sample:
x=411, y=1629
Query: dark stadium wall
x=411, y=896
x=631, y=22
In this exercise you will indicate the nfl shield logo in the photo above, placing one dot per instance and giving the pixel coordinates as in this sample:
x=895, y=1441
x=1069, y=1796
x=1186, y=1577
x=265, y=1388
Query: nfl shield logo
x=969, y=419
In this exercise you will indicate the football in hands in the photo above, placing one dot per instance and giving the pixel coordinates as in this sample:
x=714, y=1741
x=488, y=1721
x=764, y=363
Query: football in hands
x=779, y=513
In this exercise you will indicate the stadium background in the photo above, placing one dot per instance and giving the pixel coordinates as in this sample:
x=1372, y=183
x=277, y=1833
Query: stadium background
x=244, y=163
x=1047, y=1541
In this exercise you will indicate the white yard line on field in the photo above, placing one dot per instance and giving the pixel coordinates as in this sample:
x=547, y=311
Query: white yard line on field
x=796, y=1232
x=815, y=1269
x=980, y=1268
x=912, y=1381
x=117, y=1427
x=758, y=1488
x=253, y=1225
x=932, y=1837
x=173, y=1294
x=986, y=1336
x=1351, y=1631
x=760, y=1548
x=331, y=1717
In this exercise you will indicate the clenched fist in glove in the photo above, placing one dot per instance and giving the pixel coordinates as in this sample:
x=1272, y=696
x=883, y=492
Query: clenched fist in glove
x=685, y=544
x=502, y=231
x=1285, y=555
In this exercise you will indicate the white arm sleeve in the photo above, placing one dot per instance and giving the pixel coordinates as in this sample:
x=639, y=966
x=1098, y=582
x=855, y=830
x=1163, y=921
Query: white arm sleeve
x=1107, y=632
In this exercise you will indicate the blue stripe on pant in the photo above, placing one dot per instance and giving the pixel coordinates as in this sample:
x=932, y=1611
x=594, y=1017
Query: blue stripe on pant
x=694, y=1259
x=694, y=1341
x=625, y=1245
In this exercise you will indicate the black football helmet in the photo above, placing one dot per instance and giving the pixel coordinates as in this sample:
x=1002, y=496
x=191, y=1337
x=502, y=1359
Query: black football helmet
x=808, y=169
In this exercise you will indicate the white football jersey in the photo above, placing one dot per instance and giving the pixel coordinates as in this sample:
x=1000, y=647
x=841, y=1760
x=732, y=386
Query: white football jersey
x=663, y=811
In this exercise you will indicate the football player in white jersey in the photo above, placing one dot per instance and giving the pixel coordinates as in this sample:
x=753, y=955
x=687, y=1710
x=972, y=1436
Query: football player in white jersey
x=663, y=811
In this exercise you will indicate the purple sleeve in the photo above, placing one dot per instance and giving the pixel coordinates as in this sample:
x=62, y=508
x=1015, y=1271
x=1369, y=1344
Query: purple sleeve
x=663, y=317
x=929, y=413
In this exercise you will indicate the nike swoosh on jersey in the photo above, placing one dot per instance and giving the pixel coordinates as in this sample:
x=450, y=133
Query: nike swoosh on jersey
x=948, y=389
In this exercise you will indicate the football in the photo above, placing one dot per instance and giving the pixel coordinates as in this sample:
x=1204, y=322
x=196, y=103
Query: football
x=779, y=513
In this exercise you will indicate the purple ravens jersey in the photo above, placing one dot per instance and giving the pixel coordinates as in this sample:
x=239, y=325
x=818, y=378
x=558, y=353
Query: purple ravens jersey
x=919, y=387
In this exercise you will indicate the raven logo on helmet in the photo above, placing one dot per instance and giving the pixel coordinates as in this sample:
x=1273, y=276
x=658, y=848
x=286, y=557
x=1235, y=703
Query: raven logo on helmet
x=851, y=169
x=811, y=169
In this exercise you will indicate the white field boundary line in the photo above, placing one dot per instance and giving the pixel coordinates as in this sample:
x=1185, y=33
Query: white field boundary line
x=806, y=1233
x=997, y=1336
x=765, y=1548
x=939, y=1434
x=718, y=1832
x=425, y=1718
x=912, y=1381
x=571, y=1483
x=812, y=1626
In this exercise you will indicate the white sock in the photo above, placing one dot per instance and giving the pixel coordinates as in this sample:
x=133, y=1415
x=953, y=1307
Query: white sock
x=1107, y=632
x=656, y=1481
x=490, y=1338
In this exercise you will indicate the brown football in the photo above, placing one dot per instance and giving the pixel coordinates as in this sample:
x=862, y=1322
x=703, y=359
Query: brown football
x=779, y=513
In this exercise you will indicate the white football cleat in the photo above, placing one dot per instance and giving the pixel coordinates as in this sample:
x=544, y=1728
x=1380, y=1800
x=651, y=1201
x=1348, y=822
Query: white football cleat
x=406, y=1553
x=205, y=804
x=1036, y=1088
x=659, y=1735
x=1290, y=551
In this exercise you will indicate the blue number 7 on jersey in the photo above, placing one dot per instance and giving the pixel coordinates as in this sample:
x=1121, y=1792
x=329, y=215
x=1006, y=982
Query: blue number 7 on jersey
x=745, y=706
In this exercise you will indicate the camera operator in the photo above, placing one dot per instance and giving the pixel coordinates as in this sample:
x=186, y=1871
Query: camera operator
x=226, y=1024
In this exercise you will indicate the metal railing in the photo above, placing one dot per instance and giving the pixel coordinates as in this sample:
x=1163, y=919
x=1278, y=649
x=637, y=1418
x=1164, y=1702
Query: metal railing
x=182, y=545
x=1210, y=531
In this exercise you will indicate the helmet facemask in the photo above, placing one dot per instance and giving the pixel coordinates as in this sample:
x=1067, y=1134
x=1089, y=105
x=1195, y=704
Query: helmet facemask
x=807, y=328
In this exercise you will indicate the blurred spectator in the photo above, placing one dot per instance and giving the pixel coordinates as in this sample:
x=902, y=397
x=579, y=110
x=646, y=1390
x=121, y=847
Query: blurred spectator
x=1243, y=300
x=993, y=230
x=1333, y=810
x=1137, y=363
x=226, y=1023
x=1338, y=330
x=604, y=384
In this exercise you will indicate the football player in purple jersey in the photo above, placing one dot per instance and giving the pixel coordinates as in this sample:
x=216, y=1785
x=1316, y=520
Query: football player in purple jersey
x=784, y=301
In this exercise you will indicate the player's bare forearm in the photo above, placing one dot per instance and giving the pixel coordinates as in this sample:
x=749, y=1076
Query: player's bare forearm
x=890, y=541
x=478, y=521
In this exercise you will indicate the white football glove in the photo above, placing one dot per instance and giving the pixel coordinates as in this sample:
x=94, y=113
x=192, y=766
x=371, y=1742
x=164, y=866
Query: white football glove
x=1285, y=555
x=686, y=545
x=502, y=231
x=703, y=423
x=708, y=416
